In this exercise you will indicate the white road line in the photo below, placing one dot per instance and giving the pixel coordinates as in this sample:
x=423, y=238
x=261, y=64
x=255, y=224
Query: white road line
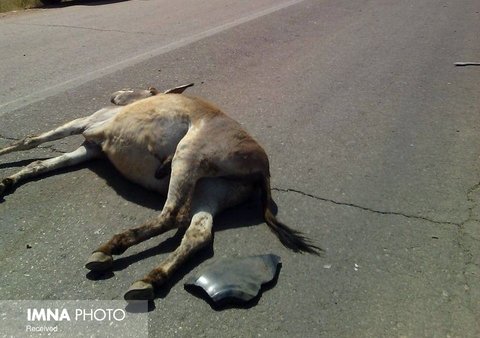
x=79, y=80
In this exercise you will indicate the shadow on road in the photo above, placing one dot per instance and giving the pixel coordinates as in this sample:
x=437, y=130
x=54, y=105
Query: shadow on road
x=244, y=215
x=62, y=4
x=21, y=163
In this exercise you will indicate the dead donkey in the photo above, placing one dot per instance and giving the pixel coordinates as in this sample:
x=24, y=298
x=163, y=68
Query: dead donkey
x=177, y=145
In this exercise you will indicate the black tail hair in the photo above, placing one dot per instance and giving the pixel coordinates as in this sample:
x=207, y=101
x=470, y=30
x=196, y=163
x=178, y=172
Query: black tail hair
x=290, y=238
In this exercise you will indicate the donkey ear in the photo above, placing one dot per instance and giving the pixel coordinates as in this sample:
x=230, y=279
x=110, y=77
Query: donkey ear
x=153, y=91
x=178, y=90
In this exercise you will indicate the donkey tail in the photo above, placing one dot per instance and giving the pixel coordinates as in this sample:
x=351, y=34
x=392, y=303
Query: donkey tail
x=290, y=238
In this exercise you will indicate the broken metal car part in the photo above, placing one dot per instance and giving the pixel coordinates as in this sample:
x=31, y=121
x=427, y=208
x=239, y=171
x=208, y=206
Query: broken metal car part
x=236, y=279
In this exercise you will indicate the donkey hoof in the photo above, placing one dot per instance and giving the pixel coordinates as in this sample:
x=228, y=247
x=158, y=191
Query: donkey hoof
x=99, y=261
x=140, y=290
x=5, y=185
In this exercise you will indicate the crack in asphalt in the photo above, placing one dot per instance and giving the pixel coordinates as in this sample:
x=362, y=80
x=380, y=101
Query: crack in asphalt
x=357, y=206
x=82, y=27
x=472, y=201
x=8, y=138
x=381, y=212
x=465, y=241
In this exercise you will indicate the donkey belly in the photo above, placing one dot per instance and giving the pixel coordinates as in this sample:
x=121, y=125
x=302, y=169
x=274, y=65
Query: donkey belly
x=137, y=164
x=138, y=142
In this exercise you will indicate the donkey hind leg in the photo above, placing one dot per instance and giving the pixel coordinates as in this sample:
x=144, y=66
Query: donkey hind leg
x=175, y=213
x=211, y=196
x=84, y=153
x=71, y=128
x=197, y=236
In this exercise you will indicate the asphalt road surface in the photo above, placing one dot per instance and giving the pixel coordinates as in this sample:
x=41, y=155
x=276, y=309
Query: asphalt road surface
x=373, y=138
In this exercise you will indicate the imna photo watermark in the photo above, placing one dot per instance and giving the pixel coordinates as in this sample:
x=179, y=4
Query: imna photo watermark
x=81, y=318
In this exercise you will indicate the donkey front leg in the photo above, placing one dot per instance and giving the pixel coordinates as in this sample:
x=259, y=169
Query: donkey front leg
x=71, y=128
x=197, y=236
x=84, y=153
